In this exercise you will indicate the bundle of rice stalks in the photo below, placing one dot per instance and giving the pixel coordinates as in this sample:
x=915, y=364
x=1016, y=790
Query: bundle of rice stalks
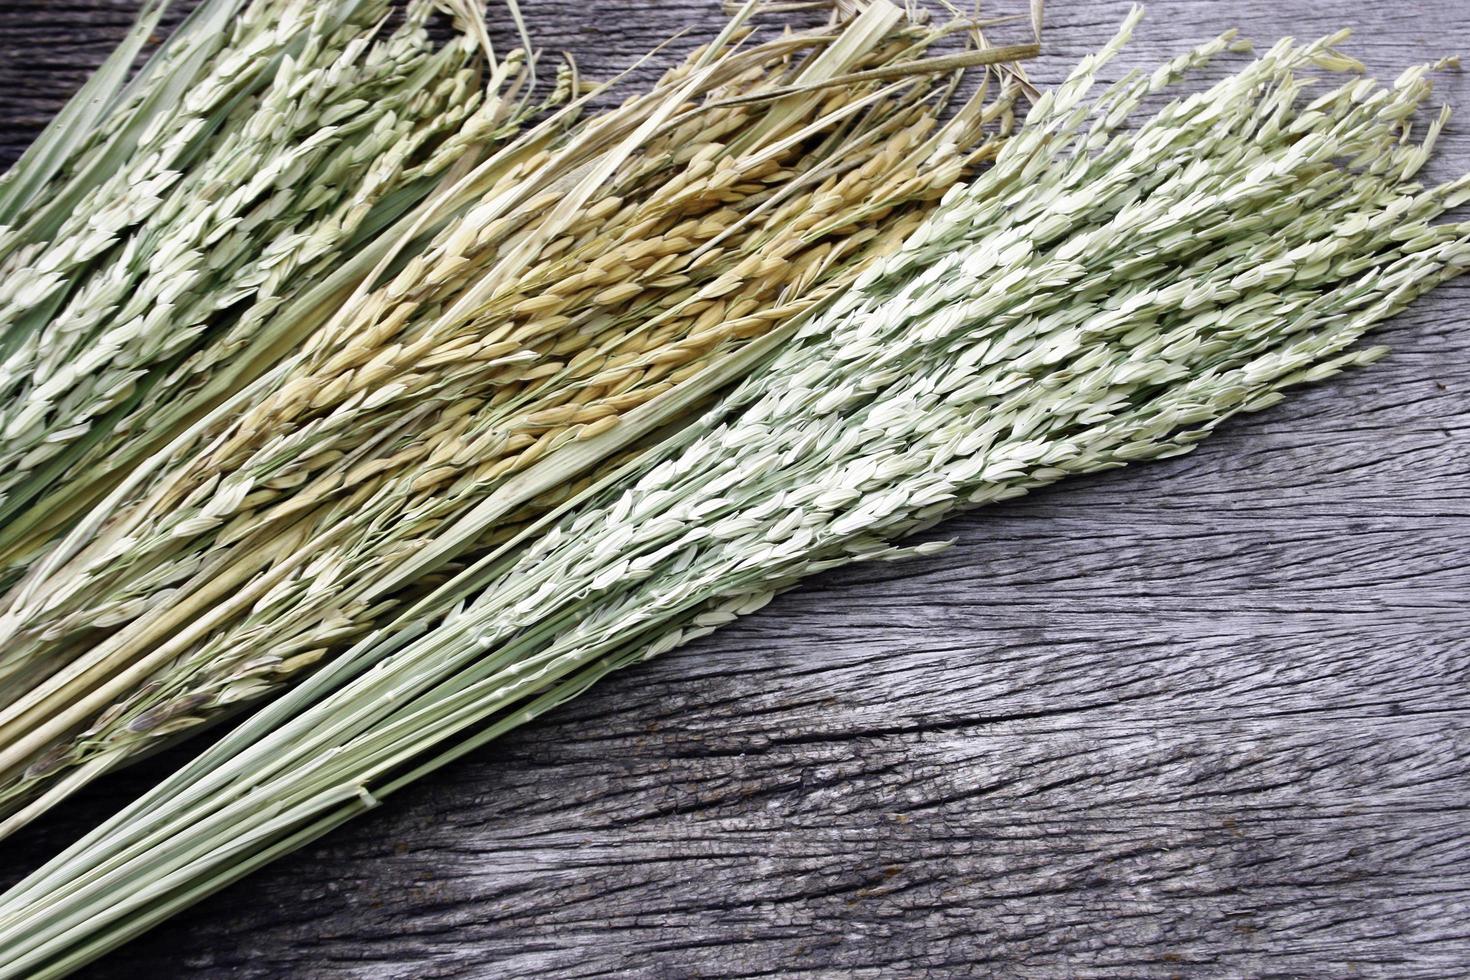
x=584, y=287
x=1100, y=296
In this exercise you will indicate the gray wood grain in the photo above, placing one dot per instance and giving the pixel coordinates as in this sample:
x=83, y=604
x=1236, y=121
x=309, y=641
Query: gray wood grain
x=1203, y=718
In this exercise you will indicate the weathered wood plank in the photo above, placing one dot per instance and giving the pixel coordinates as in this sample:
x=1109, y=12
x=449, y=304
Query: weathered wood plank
x=1206, y=717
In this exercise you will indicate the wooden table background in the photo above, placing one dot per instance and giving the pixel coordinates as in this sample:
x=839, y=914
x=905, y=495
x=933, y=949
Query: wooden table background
x=1205, y=717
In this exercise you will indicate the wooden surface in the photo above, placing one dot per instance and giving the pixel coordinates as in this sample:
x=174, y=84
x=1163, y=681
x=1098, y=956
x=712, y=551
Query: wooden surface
x=1200, y=718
